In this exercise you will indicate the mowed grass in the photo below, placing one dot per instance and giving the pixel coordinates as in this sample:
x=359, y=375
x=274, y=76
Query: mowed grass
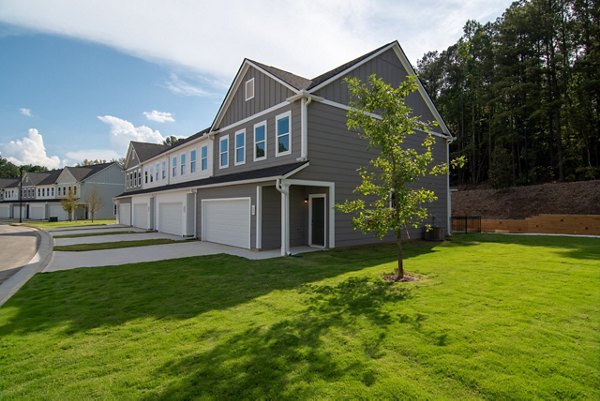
x=494, y=317
x=115, y=245
x=99, y=233
x=46, y=225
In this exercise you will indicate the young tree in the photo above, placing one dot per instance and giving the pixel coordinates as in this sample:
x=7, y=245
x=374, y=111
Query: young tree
x=390, y=202
x=69, y=203
x=94, y=202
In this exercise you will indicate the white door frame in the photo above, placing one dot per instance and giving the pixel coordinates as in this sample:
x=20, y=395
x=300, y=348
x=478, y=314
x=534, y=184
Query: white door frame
x=310, y=212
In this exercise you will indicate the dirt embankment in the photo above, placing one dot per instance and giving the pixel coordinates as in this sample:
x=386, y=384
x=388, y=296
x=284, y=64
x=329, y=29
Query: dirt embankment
x=581, y=197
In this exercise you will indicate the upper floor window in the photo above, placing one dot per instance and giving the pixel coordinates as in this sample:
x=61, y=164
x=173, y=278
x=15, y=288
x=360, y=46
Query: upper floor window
x=156, y=171
x=204, y=158
x=145, y=177
x=249, y=89
x=151, y=175
x=283, y=128
x=260, y=141
x=74, y=190
x=182, y=164
x=240, y=147
x=139, y=174
x=52, y=192
x=164, y=170
x=174, y=167
x=39, y=192
x=193, y=161
x=224, y=151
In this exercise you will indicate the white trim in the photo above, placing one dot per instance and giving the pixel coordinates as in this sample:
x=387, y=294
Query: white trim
x=351, y=68
x=310, y=213
x=222, y=139
x=258, y=217
x=235, y=148
x=377, y=116
x=250, y=81
x=252, y=117
x=281, y=116
x=331, y=186
x=304, y=128
x=202, y=219
x=201, y=157
x=195, y=161
x=182, y=163
x=259, y=124
x=410, y=70
x=267, y=73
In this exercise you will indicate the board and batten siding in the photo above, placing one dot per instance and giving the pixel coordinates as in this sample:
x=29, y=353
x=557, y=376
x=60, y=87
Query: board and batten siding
x=386, y=66
x=335, y=154
x=271, y=159
x=267, y=93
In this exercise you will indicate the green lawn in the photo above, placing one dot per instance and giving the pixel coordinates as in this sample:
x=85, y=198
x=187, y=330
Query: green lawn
x=115, y=245
x=45, y=225
x=494, y=317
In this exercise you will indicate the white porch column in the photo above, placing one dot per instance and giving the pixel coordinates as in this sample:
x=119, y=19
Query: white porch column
x=284, y=189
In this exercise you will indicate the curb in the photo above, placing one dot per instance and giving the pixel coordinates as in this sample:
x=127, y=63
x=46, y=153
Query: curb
x=39, y=261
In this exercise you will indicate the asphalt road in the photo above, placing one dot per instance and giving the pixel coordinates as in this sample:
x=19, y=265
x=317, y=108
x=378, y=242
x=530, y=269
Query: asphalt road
x=18, y=246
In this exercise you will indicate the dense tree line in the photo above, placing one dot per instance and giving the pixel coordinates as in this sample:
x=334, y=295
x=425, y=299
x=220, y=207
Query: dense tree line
x=522, y=94
x=11, y=170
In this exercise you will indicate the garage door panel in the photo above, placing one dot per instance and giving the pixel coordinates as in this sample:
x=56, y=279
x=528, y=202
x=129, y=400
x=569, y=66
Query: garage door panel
x=4, y=211
x=140, y=215
x=227, y=221
x=58, y=212
x=36, y=212
x=125, y=214
x=170, y=217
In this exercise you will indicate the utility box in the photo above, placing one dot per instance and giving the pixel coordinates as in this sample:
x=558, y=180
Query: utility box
x=52, y=219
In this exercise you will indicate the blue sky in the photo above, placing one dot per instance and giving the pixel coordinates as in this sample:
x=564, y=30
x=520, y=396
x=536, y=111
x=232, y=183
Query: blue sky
x=81, y=79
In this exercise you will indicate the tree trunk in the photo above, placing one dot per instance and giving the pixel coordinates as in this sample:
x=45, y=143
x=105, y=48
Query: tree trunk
x=400, y=271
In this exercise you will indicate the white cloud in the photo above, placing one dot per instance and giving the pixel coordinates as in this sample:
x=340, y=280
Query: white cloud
x=25, y=111
x=92, y=154
x=123, y=131
x=212, y=37
x=159, y=116
x=180, y=87
x=30, y=150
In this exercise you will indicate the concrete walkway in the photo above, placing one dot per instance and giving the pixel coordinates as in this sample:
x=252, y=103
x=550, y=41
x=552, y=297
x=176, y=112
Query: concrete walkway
x=73, y=260
x=23, y=273
x=98, y=239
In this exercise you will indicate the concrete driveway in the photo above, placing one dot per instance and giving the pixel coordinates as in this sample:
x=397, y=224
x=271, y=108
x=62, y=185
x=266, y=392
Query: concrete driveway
x=109, y=257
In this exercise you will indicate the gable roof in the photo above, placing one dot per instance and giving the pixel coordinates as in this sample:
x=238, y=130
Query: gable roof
x=51, y=178
x=81, y=173
x=146, y=150
x=35, y=178
x=8, y=182
x=294, y=80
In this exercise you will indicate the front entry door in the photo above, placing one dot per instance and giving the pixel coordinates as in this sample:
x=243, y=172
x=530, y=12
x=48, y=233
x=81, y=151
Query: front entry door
x=317, y=218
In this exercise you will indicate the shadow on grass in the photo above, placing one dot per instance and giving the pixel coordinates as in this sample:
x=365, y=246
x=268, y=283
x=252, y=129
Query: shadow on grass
x=87, y=298
x=284, y=360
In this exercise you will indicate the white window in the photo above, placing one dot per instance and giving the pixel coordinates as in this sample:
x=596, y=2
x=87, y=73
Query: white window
x=145, y=177
x=157, y=171
x=164, y=170
x=151, y=175
x=260, y=141
x=204, y=158
x=139, y=178
x=249, y=89
x=240, y=147
x=224, y=152
x=174, y=166
x=283, y=130
x=193, y=161
x=183, y=164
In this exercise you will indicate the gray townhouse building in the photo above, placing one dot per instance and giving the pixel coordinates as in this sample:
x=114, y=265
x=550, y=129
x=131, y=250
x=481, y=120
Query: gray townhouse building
x=39, y=195
x=277, y=158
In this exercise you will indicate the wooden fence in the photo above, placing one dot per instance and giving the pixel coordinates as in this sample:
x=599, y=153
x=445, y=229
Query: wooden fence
x=546, y=223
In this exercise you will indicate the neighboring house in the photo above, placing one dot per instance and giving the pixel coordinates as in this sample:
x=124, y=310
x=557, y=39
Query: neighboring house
x=39, y=198
x=7, y=189
x=277, y=158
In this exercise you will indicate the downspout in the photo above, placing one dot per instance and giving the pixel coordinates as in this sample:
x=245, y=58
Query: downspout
x=305, y=101
x=285, y=216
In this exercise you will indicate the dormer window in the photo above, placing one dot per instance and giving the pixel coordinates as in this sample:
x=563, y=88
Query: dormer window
x=249, y=89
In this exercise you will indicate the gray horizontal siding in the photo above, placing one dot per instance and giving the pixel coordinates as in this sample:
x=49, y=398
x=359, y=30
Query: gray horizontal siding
x=386, y=66
x=271, y=159
x=267, y=93
x=335, y=155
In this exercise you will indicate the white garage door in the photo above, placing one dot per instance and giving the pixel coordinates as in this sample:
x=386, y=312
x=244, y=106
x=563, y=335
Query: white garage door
x=226, y=221
x=140, y=215
x=4, y=211
x=57, y=211
x=170, y=218
x=125, y=214
x=36, y=212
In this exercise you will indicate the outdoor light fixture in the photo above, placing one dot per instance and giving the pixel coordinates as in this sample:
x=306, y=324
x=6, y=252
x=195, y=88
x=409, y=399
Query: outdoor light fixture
x=305, y=201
